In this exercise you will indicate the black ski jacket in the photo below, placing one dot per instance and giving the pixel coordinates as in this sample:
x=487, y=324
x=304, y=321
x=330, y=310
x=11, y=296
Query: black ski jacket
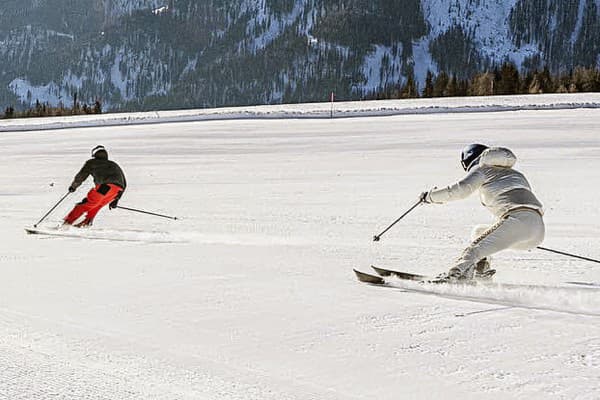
x=103, y=171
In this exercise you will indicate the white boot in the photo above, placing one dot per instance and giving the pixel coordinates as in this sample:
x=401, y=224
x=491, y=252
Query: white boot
x=483, y=269
x=456, y=274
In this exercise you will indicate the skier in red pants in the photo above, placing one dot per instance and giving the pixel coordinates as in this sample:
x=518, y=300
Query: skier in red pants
x=109, y=183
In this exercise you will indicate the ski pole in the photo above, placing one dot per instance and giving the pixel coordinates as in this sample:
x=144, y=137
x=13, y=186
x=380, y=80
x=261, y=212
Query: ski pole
x=146, y=212
x=568, y=254
x=377, y=237
x=52, y=209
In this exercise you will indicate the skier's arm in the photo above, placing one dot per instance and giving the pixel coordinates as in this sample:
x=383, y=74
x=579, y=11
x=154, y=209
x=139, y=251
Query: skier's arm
x=80, y=177
x=459, y=190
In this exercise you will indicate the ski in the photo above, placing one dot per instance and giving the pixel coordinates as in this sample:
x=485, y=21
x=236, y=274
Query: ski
x=423, y=278
x=368, y=278
x=73, y=235
x=379, y=280
x=398, y=274
x=383, y=273
x=121, y=236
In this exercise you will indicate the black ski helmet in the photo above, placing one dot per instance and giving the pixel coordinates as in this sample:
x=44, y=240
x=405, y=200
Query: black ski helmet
x=99, y=152
x=470, y=155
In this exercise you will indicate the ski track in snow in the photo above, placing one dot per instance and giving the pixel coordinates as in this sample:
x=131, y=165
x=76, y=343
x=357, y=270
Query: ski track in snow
x=584, y=301
x=251, y=295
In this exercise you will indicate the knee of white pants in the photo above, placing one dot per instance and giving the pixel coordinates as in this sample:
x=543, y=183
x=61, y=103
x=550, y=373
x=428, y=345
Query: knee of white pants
x=471, y=255
x=478, y=230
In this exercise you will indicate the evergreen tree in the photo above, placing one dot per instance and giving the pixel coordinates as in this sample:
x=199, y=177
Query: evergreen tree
x=482, y=85
x=586, y=79
x=428, y=91
x=9, y=112
x=440, y=84
x=542, y=82
x=509, y=82
x=452, y=87
x=97, y=107
x=463, y=87
x=409, y=89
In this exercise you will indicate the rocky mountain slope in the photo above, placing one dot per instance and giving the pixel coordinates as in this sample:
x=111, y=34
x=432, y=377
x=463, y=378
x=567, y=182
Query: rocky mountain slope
x=147, y=54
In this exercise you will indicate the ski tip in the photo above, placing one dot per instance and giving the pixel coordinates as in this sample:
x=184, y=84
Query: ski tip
x=381, y=272
x=368, y=278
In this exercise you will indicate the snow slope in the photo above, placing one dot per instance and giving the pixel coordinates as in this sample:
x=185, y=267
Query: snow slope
x=253, y=295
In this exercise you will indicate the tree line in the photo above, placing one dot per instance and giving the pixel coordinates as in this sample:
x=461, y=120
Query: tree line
x=503, y=80
x=46, y=110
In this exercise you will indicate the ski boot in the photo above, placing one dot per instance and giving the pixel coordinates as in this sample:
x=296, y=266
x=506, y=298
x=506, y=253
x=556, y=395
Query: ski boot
x=455, y=275
x=483, y=270
x=84, y=224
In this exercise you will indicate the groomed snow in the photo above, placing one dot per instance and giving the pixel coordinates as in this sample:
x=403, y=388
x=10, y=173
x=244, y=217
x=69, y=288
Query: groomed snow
x=251, y=295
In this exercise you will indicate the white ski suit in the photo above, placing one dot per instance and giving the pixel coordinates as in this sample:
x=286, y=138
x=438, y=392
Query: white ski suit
x=507, y=194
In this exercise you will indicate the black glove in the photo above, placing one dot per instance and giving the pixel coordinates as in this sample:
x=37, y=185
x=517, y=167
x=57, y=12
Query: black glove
x=113, y=204
x=71, y=189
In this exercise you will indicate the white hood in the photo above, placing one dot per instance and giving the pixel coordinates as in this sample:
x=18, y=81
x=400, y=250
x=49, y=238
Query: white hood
x=497, y=157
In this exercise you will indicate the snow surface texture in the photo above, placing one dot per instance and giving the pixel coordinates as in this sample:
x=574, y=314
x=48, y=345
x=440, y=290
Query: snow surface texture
x=251, y=295
x=318, y=110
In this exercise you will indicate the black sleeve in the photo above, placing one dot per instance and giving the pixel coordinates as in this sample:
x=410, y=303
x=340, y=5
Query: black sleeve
x=81, y=175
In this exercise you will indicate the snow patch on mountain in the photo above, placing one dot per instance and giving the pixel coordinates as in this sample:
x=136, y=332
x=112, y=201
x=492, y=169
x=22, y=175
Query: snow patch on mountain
x=422, y=61
x=577, y=29
x=381, y=68
x=486, y=20
x=29, y=93
x=273, y=27
x=160, y=10
x=118, y=78
x=118, y=8
x=190, y=67
x=51, y=93
x=60, y=34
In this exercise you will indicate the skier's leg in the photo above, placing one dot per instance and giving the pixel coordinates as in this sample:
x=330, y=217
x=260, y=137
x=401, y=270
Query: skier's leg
x=520, y=230
x=76, y=212
x=84, y=206
x=483, y=268
x=104, y=194
x=536, y=229
x=478, y=230
x=89, y=217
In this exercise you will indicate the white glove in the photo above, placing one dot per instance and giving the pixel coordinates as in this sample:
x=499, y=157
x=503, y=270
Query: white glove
x=426, y=196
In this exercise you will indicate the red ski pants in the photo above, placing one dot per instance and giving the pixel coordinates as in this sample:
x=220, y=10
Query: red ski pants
x=96, y=198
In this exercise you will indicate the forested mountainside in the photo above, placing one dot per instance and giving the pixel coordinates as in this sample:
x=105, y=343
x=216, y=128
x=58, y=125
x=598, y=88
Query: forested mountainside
x=149, y=54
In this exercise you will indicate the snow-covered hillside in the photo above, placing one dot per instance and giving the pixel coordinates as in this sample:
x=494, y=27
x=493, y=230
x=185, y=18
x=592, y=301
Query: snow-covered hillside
x=251, y=295
x=486, y=21
x=150, y=54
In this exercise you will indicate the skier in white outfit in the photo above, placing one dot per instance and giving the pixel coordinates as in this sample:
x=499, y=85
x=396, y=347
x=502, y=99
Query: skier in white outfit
x=507, y=194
